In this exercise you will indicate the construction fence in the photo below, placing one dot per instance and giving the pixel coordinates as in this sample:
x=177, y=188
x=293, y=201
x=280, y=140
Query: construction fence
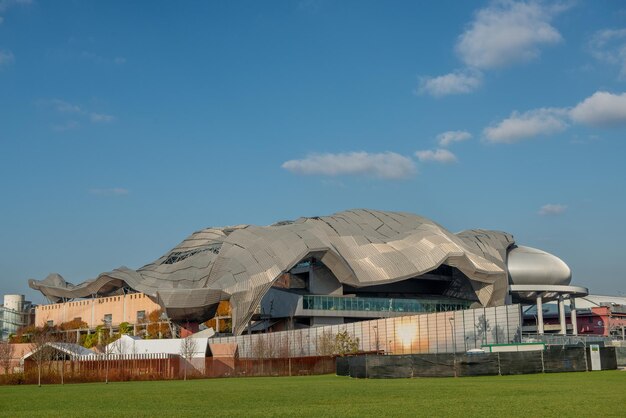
x=296, y=366
x=440, y=332
x=553, y=359
x=164, y=367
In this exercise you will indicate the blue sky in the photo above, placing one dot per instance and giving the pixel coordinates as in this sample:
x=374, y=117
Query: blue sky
x=125, y=126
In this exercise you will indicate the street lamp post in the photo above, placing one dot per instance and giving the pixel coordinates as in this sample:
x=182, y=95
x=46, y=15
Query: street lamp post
x=453, y=343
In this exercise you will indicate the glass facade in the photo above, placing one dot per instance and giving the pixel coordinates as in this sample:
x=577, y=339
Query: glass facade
x=342, y=303
x=10, y=322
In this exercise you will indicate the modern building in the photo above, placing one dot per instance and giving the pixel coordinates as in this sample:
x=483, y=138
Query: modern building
x=353, y=265
x=16, y=312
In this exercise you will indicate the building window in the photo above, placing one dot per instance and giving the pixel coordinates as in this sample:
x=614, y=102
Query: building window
x=108, y=319
x=141, y=316
x=175, y=257
x=50, y=323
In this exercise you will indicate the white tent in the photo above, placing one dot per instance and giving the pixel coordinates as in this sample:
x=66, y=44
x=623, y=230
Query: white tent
x=128, y=345
x=69, y=349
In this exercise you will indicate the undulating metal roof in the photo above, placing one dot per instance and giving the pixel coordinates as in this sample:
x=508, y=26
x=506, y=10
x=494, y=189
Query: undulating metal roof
x=240, y=263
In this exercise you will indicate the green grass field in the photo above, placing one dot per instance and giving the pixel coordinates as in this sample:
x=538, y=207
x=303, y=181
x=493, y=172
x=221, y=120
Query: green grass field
x=540, y=395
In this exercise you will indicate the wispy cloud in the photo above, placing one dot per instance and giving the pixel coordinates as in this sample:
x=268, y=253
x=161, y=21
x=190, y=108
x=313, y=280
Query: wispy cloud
x=446, y=139
x=525, y=125
x=63, y=106
x=439, y=156
x=66, y=108
x=388, y=165
x=70, y=125
x=6, y=58
x=99, y=59
x=309, y=6
x=5, y=5
x=100, y=117
x=552, y=209
x=609, y=46
x=506, y=33
x=110, y=192
x=457, y=82
x=602, y=109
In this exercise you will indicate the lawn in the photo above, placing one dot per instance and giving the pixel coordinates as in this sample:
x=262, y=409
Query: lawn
x=562, y=394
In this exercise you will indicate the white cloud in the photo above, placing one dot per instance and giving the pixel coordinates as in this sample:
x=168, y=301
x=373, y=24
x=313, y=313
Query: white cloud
x=439, y=155
x=552, y=209
x=448, y=138
x=457, y=82
x=609, y=45
x=6, y=58
x=601, y=109
x=113, y=191
x=520, y=126
x=507, y=32
x=388, y=165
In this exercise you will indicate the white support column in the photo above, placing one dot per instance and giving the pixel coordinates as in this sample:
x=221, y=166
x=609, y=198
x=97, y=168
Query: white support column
x=562, y=322
x=572, y=307
x=539, y=315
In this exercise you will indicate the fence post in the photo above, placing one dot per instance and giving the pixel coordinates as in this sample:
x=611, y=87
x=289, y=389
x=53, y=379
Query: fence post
x=543, y=365
x=499, y=366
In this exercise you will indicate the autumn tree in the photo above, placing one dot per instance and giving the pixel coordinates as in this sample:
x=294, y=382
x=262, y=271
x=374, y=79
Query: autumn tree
x=340, y=344
x=6, y=355
x=222, y=322
x=260, y=347
x=23, y=334
x=326, y=344
x=346, y=344
x=158, y=327
x=125, y=328
x=188, y=348
x=75, y=325
x=40, y=349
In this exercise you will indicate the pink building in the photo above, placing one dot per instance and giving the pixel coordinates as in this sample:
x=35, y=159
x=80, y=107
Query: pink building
x=108, y=311
x=595, y=315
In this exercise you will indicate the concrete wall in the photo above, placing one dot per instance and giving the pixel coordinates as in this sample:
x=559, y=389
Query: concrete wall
x=323, y=282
